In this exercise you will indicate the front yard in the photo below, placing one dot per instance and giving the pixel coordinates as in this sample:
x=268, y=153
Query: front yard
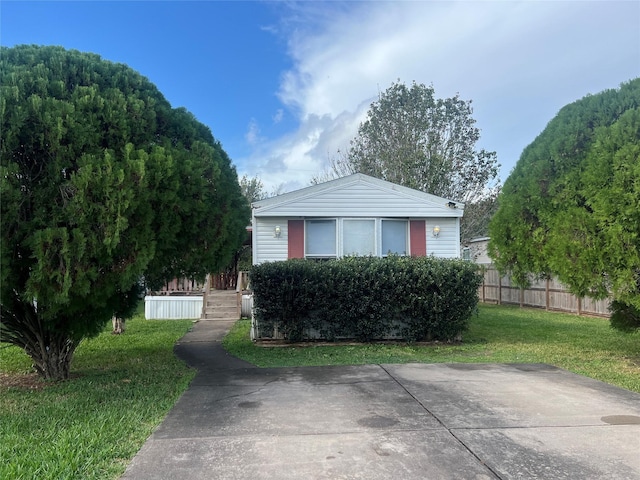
x=498, y=334
x=90, y=426
x=122, y=386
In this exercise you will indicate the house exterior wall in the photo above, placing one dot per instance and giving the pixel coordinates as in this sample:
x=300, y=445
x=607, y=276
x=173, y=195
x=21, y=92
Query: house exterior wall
x=266, y=247
x=355, y=197
x=447, y=243
x=359, y=200
x=479, y=253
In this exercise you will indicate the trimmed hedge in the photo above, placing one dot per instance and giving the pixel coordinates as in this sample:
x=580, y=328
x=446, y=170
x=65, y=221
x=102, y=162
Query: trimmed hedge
x=365, y=298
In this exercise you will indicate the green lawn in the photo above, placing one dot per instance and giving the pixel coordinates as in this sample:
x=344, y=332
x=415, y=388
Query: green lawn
x=92, y=425
x=122, y=387
x=498, y=334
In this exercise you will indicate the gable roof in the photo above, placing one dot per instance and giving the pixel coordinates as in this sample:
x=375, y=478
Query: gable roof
x=358, y=195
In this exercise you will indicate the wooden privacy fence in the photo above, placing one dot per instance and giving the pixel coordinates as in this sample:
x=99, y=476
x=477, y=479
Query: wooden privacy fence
x=548, y=294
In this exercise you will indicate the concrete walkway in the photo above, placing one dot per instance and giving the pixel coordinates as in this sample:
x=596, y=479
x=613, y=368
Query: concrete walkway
x=415, y=421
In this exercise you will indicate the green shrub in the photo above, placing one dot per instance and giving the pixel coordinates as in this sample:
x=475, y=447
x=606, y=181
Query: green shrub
x=625, y=318
x=365, y=298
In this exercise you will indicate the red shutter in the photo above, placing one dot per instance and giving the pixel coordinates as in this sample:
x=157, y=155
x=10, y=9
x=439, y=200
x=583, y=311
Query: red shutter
x=418, y=238
x=296, y=238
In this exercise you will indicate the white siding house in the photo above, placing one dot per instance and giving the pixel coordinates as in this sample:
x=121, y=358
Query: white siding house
x=478, y=250
x=355, y=215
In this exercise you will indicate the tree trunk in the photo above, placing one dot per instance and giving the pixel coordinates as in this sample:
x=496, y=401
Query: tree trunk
x=118, y=325
x=52, y=358
x=50, y=350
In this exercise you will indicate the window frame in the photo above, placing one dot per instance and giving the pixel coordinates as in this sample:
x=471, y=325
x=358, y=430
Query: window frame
x=407, y=237
x=339, y=226
x=306, y=237
x=341, y=235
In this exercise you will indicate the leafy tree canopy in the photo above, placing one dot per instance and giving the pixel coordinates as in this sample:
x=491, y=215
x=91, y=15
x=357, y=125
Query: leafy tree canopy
x=413, y=138
x=252, y=188
x=102, y=182
x=571, y=206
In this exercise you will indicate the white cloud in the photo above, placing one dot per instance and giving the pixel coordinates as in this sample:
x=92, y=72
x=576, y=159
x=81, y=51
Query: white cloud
x=519, y=62
x=279, y=115
x=253, y=133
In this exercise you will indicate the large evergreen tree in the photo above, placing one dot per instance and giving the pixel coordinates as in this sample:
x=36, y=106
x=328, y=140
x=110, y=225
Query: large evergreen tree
x=101, y=183
x=571, y=206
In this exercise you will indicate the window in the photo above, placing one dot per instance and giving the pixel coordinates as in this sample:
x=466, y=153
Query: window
x=331, y=238
x=394, y=237
x=320, y=238
x=359, y=237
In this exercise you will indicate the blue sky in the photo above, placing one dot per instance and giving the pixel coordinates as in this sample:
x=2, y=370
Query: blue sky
x=284, y=85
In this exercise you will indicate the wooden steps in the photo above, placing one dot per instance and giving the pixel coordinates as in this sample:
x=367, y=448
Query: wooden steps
x=221, y=305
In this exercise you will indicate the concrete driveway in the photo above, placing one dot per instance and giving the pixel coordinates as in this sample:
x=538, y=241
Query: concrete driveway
x=414, y=421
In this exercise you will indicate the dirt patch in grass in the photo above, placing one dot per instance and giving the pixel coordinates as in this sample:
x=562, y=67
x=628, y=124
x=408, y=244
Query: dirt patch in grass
x=634, y=361
x=27, y=381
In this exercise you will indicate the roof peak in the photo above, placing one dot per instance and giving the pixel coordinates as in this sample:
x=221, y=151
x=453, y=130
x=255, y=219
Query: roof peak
x=353, y=178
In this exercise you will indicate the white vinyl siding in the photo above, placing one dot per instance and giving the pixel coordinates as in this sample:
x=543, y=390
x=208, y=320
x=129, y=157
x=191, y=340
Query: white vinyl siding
x=172, y=307
x=266, y=246
x=447, y=243
x=358, y=197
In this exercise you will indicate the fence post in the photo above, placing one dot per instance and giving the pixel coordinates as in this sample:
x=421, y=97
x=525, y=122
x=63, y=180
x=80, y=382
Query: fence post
x=499, y=289
x=484, y=282
x=546, y=300
x=521, y=297
x=205, y=295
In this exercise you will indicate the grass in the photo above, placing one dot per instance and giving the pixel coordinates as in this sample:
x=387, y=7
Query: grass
x=498, y=334
x=92, y=425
